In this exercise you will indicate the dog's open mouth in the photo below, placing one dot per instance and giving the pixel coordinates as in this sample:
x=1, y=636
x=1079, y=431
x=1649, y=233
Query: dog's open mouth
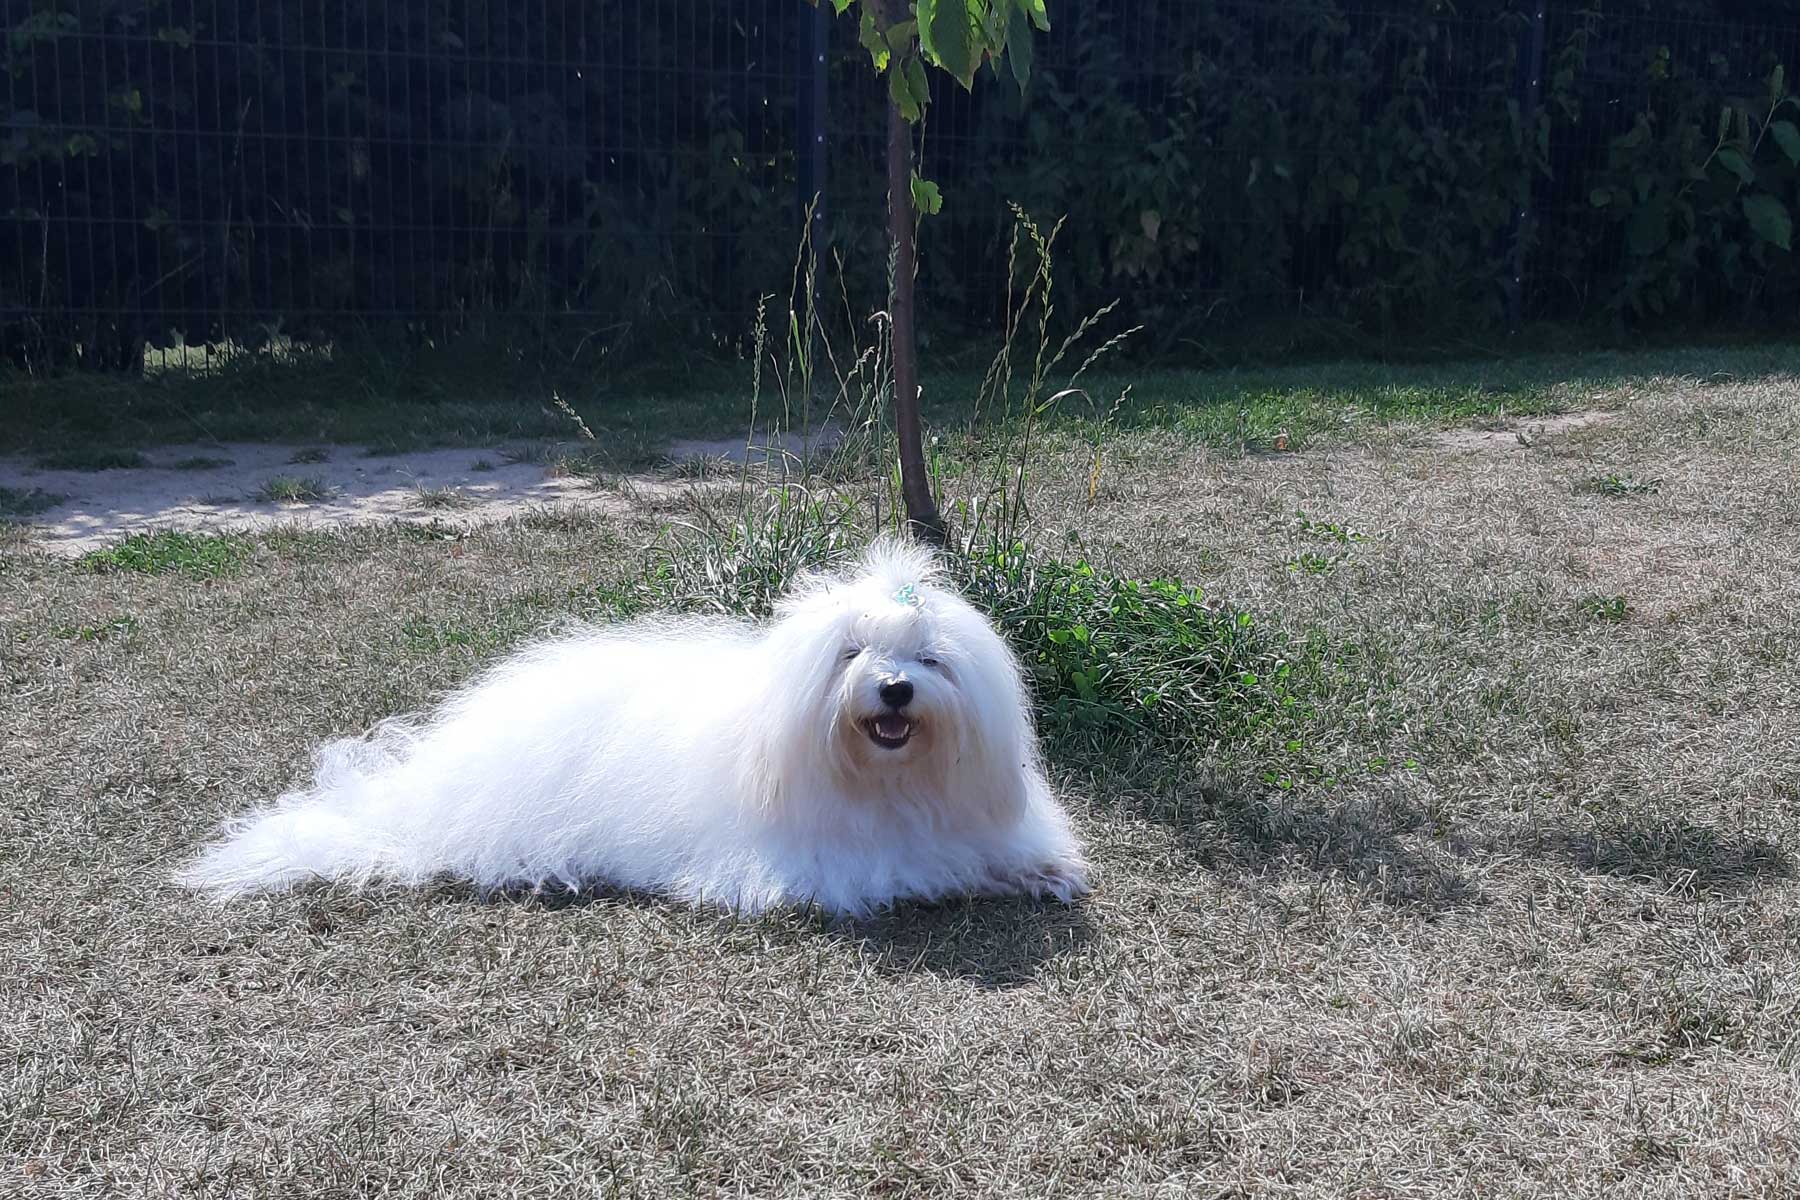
x=890, y=731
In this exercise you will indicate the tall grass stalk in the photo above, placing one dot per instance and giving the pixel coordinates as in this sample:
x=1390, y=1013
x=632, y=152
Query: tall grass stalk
x=996, y=519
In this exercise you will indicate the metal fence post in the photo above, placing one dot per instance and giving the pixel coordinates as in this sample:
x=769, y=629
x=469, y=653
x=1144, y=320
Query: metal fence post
x=1530, y=86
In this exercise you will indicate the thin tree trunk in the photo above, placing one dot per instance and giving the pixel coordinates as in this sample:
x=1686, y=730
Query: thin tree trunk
x=922, y=516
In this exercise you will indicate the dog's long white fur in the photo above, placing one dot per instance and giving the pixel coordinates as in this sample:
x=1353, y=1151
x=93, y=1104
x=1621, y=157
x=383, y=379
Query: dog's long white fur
x=712, y=761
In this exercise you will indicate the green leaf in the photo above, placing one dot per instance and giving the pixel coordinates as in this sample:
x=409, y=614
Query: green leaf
x=900, y=36
x=900, y=92
x=1018, y=47
x=1035, y=8
x=944, y=31
x=916, y=81
x=1600, y=197
x=842, y=6
x=1788, y=138
x=926, y=196
x=1734, y=162
x=1648, y=231
x=1769, y=218
x=873, y=42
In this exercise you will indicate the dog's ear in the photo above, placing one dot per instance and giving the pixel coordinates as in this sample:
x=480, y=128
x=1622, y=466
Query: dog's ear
x=788, y=725
x=998, y=757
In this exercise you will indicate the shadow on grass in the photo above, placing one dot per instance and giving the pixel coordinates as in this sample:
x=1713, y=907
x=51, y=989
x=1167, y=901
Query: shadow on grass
x=994, y=943
x=1368, y=843
x=1388, y=846
x=1671, y=853
x=367, y=391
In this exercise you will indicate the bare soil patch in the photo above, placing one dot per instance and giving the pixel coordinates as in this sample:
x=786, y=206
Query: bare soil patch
x=242, y=487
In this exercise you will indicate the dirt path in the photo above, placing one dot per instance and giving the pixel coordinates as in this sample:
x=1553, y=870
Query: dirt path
x=227, y=488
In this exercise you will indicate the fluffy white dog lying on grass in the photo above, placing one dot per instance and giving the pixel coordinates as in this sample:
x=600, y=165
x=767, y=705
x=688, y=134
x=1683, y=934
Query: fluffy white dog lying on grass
x=870, y=745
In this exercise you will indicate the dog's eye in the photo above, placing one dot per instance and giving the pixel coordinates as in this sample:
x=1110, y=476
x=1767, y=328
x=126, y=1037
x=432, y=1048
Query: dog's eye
x=928, y=661
x=851, y=653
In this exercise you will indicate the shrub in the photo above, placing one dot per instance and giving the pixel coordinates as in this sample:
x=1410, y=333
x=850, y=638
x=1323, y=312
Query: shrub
x=1118, y=665
x=1345, y=165
x=1119, y=668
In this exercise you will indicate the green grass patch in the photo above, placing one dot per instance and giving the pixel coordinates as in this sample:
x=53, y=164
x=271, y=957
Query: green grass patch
x=1612, y=609
x=105, y=631
x=365, y=392
x=1129, y=673
x=507, y=625
x=17, y=505
x=1619, y=486
x=78, y=457
x=472, y=395
x=442, y=497
x=193, y=554
x=1311, y=562
x=1122, y=665
x=1330, y=531
x=293, y=489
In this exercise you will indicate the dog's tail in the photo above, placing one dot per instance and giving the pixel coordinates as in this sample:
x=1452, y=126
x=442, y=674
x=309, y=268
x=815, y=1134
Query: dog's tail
x=340, y=828
x=276, y=850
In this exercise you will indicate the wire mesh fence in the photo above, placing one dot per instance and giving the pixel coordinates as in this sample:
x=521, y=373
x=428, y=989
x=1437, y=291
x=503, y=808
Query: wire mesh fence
x=577, y=173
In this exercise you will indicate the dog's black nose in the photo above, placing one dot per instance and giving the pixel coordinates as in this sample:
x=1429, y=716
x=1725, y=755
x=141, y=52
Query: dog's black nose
x=897, y=694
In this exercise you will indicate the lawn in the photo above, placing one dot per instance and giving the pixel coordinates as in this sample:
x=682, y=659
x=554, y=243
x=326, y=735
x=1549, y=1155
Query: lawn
x=1519, y=918
x=378, y=400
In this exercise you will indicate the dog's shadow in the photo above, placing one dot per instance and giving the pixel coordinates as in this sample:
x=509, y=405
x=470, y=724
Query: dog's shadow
x=993, y=943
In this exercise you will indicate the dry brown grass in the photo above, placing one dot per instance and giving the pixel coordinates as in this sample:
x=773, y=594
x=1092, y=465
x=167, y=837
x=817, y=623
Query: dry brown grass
x=1555, y=957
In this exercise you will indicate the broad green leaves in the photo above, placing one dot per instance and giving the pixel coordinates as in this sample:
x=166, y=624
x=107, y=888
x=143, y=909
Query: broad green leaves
x=1770, y=220
x=908, y=89
x=926, y=196
x=1737, y=164
x=873, y=42
x=956, y=36
x=949, y=41
x=1688, y=209
x=1018, y=47
x=1788, y=138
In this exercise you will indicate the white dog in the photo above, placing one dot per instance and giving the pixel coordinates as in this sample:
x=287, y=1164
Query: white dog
x=872, y=744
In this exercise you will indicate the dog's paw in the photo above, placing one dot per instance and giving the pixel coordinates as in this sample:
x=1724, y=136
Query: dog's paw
x=1063, y=879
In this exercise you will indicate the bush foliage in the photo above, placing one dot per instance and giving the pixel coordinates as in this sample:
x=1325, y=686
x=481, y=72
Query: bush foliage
x=1121, y=670
x=602, y=168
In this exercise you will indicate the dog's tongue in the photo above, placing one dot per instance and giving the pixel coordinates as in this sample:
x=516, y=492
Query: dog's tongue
x=892, y=726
